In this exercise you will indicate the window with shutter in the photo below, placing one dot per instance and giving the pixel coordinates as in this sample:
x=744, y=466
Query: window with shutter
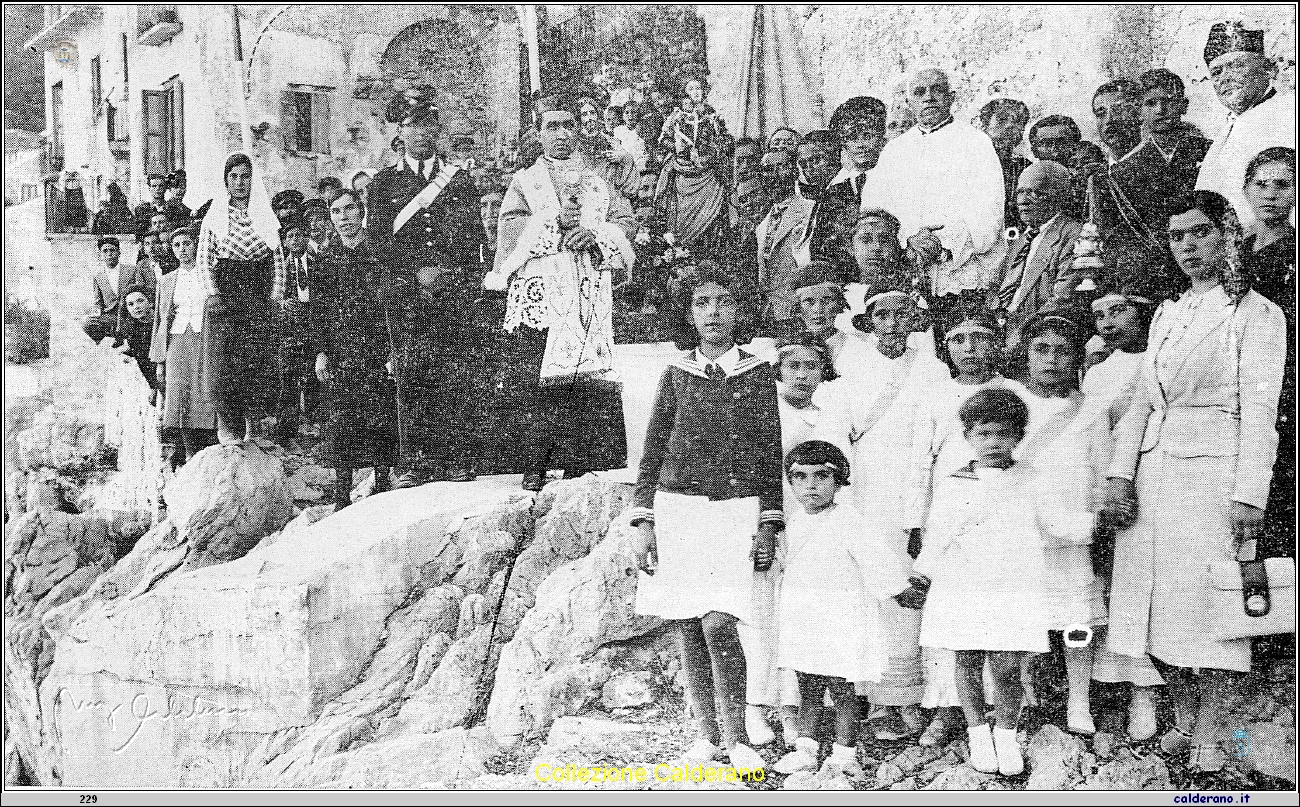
x=176, y=126
x=320, y=122
x=155, y=131
x=96, y=88
x=289, y=119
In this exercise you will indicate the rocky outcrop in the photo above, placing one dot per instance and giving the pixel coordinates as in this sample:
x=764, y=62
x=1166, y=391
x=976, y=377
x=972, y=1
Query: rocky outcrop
x=544, y=672
x=1053, y=759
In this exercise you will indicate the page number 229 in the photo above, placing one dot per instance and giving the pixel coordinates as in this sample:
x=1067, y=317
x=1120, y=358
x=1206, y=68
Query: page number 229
x=89, y=798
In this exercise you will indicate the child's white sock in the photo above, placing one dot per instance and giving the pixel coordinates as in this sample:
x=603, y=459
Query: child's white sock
x=982, y=755
x=1010, y=761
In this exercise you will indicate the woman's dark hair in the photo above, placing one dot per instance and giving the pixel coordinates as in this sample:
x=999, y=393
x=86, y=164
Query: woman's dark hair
x=970, y=310
x=107, y=239
x=813, y=342
x=1214, y=206
x=1276, y=154
x=681, y=318
x=820, y=452
x=133, y=288
x=184, y=229
x=1051, y=322
x=994, y=405
x=232, y=161
x=115, y=195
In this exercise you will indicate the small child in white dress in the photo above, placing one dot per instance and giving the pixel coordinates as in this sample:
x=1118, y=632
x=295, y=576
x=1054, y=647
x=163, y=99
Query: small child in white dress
x=828, y=613
x=984, y=560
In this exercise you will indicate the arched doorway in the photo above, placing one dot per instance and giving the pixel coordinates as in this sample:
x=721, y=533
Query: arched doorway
x=443, y=54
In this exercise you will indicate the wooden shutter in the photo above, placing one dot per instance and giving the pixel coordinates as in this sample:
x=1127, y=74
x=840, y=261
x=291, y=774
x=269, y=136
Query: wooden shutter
x=176, y=130
x=320, y=123
x=155, y=131
x=289, y=119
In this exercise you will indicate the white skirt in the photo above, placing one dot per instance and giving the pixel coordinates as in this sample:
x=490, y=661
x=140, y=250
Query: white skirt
x=704, y=562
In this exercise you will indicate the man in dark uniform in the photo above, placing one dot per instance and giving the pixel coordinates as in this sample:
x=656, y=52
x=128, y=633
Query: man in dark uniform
x=424, y=212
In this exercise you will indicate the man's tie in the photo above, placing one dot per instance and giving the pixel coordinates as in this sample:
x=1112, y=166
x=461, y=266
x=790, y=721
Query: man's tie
x=1011, y=283
x=420, y=169
x=856, y=184
x=715, y=372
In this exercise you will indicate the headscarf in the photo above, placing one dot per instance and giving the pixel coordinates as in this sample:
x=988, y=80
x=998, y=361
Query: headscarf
x=265, y=224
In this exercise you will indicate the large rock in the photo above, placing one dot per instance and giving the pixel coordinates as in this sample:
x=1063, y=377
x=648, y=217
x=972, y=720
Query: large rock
x=176, y=669
x=1053, y=759
x=66, y=441
x=581, y=606
x=1145, y=773
x=960, y=777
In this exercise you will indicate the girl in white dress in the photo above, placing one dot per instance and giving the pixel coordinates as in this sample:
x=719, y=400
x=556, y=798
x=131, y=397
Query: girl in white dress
x=803, y=365
x=821, y=299
x=1056, y=452
x=1122, y=317
x=983, y=558
x=828, y=614
x=884, y=404
x=971, y=349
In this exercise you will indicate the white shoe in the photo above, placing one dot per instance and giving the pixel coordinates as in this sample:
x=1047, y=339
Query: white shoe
x=760, y=733
x=1141, y=715
x=700, y=752
x=789, y=729
x=844, y=759
x=1010, y=761
x=1079, y=717
x=802, y=758
x=742, y=756
x=983, y=757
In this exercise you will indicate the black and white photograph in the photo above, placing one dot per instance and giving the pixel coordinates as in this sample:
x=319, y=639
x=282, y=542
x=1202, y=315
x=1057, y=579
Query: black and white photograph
x=551, y=399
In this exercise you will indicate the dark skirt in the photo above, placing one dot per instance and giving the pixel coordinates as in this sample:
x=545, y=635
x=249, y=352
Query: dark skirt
x=577, y=426
x=240, y=370
x=185, y=405
x=361, y=427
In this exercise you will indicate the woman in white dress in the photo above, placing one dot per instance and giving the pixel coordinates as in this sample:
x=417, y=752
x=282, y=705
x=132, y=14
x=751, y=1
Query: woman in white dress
x=1121, y=316
x=1193, y=463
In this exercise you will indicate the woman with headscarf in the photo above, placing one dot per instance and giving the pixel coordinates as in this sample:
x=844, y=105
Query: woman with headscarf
x=236, y=243
x=1191, y=471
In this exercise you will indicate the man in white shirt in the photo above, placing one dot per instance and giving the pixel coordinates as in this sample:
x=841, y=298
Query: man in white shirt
x=1258, y=115
x=943, y=181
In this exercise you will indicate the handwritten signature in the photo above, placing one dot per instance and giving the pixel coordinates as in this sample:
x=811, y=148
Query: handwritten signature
x=141, y=710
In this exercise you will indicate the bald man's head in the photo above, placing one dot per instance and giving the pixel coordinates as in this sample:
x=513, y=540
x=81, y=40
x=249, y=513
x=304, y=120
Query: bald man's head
x=929, y=97
x=1041, y=192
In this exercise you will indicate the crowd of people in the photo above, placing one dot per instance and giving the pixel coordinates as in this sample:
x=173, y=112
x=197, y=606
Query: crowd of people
x=1046, y=393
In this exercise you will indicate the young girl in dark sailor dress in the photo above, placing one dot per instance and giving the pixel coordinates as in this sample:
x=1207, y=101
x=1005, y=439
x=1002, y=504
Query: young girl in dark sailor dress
x=708, y=505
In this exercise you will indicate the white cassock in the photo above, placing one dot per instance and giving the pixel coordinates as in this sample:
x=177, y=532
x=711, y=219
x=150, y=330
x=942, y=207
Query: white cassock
x=1268, y=124
x=950, y=176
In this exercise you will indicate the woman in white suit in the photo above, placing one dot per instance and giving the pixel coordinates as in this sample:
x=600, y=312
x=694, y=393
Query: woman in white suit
x=1191, y=470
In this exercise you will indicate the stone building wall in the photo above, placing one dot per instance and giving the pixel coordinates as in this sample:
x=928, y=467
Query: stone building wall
x=1050, y=56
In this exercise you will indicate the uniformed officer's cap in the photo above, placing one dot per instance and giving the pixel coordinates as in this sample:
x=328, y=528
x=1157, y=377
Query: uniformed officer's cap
x=416, y=105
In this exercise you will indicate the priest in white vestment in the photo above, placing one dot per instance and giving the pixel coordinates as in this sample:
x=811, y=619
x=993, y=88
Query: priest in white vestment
x=943, y=181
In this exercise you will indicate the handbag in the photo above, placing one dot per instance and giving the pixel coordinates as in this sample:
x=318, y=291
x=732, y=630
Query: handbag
x=1254, y=598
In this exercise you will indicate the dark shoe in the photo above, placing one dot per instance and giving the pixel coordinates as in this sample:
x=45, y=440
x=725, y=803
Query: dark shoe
x=411, y=479
x=461, y=475
x=534, y=482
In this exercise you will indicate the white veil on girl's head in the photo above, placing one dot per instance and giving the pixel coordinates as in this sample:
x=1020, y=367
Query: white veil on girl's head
x=265, y=223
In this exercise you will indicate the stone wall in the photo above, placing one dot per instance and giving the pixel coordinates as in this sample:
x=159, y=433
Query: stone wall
x=1050, y=56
